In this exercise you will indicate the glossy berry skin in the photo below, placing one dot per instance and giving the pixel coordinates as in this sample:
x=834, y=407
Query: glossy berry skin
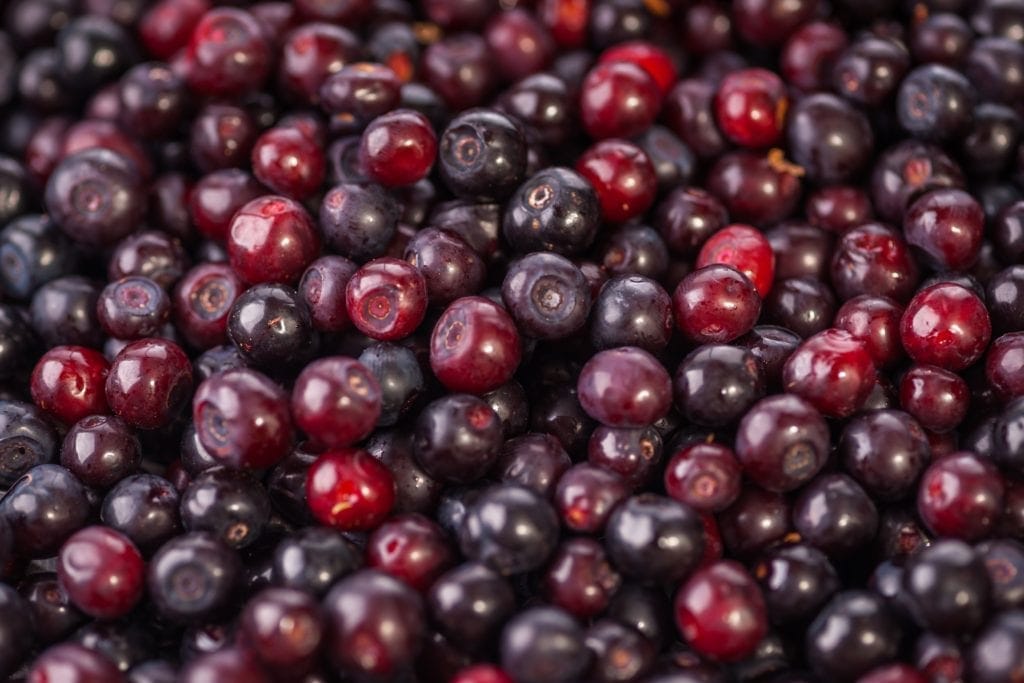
x=100, y=450
x=350, y=490
x=556, y=209
x=945, y=325
x=27, y=439
x=272, y=239
x=322, y=289
x=144, y=508
x=834, y=514
x=937, y=398
x=947, y=226
x=510, y=528
x=192, y=577
x=202, y=300
x=745, y=249
x=288, y=161
x=832, y=371
x=649, y=57
x=474, y=347
x=133, y=307
x=284, y=627
x=854, y=633
x=961, y=496
x=873, y=259
x=228, y=54
x=720, y=612
x=885, y=451
x=412, y=548
x=149, y=382
x=547, y=295
x=618, y=100
x=95, y=196
x=829, y=138
x=874, y=321
x=750, y=107
x=449, y=265
x=398, y=148
x=457, y=438
x=229, y=504
x=715, y=384
x=585, y=496
x=101, y=571
x=654, y=538
x=782, y=442
x=624, y=387
x=470, y=603
x=543, y=645
x=632, y=310
x=358, y=220
x=242, y=420
x=1004, y=365
x=715, y=304
x=947, y=588
x=705, y=476
x=935, y=102
x=622, y=175
x=580, y=578
x=73, y=663
x=482, y=155
x=45, y=506
x=369, y=611
x=336, y=401
x=67, y=382
x=796, y=580
x=386, y=299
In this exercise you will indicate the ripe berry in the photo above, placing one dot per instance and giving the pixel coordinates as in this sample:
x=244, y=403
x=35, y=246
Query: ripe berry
x=350, y=490
x=101, y=571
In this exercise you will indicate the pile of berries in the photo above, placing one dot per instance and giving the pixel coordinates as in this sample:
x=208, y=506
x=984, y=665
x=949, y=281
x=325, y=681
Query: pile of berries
x=538, y=341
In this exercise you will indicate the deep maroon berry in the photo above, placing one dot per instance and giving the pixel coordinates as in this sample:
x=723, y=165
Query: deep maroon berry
x=707, y=477
x=386, y=299
x=838, y=208
x=101, y=450
x=947, y=226
x=873, y=259
x=242, y=419
x=398, y=148
x=350, y=490
x=322, y=288
x=580, y=578
x=460, y=69
x=284, y=627
x=618, y=99
x=756, y=188
x=149, y=382
x=687, y=217
x=750, y=107
x=133, y=307
x=961, y=495
x=101, y=571
x=336, y=401
x=873, y=320
x=221, y=137
x=411, y=548
x=68, y=383
x=885, y=451
x=228, y=55
x=945, y=325
x=715, y=304
x=624, y=387
x=715, y=384
x=937, y=398
x=720, y=612
x=623, y=177
x=217, y=196
x=543, y=644
x=474, y=347
x=359, y=92
x=73, y=663
x=203, y=300
x=358, y=220
x=271, y=239
x=288, y=161
x=154, y=254
x=1004, y=365
x=586, y=495
x=451, y=267
x=833, y=371
x=782, y=442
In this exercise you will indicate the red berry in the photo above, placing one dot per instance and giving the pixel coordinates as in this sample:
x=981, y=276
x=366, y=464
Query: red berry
x=750, y=107
x=349, y=490
x=652, y=59
x=289, y=161
x=68, y=382
x=833, y=371
x=715, y=304
x=945, y=325
x=720, y=612
x=101, y=571
x=272, y=239
x=386, y=299
x=336, y=401
x=744, y=248
x=475, y=346
x=398, y=148
x=961, y=495
x=622, y=176
x=618, y=100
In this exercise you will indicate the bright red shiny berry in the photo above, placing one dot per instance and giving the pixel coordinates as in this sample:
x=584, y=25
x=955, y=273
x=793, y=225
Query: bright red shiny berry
x=289, y=161
x=832, y=371
x=715, y=304
x=622, y=175
x=475, y=346
x=652, y=59
x=272, y=239
x=68, y=382
x=945, y=325
x=961, y=496
x=398, y=148
x=618, y=100
x=750, y=107
x=386, y=299
x=349, y=490
x=744, y=248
